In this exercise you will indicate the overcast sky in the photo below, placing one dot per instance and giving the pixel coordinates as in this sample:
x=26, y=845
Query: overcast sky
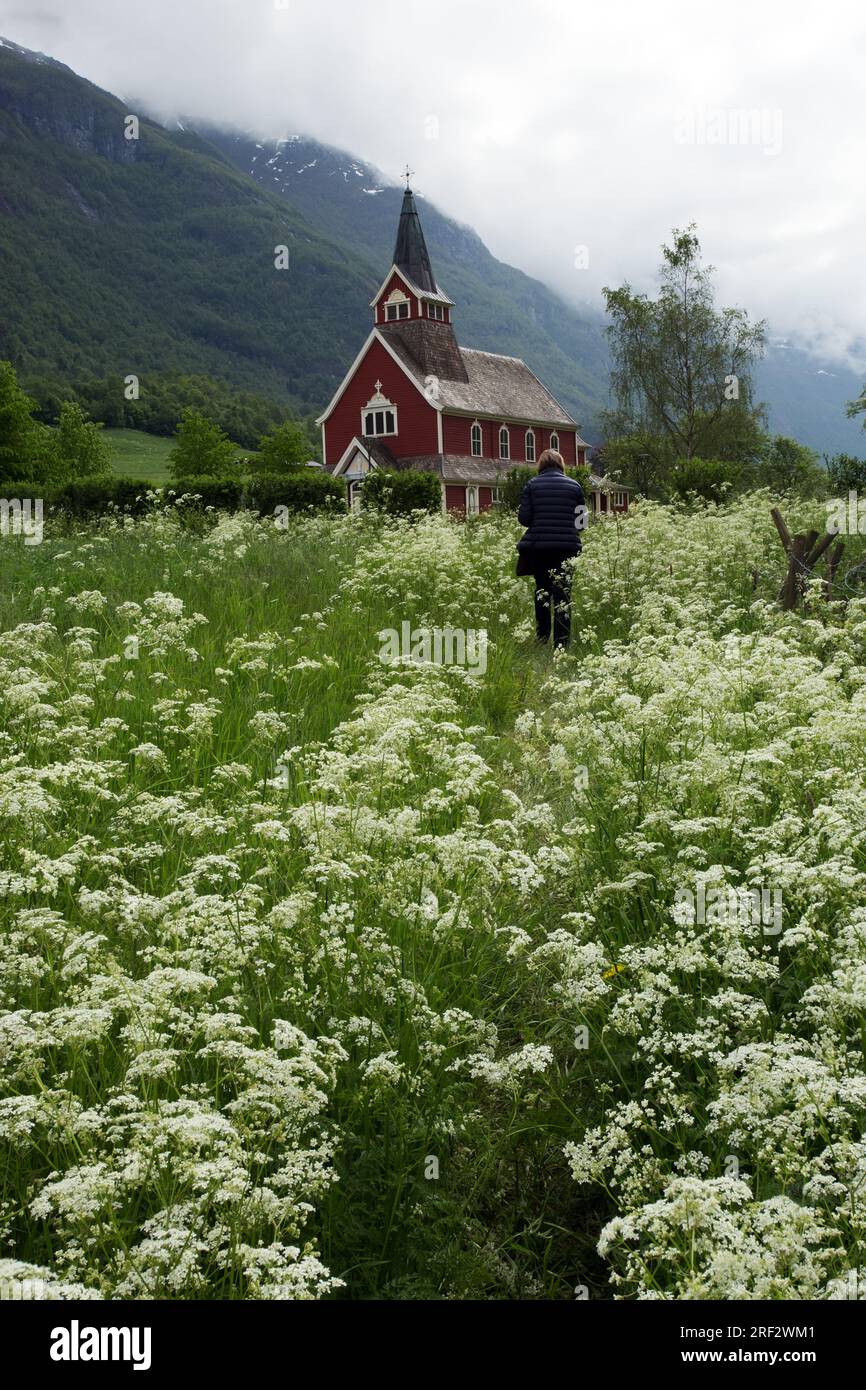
x=572, y=136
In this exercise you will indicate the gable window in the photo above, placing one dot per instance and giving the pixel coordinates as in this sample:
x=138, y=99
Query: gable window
x=475, y=440
x=396, y=306
x=554, y=441
x=504, y=444
x=380, y=422
x=379, y=415
x=530, y=446
x=435, y=311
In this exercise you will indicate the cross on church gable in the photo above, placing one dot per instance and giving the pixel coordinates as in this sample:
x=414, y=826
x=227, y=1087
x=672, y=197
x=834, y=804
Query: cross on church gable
x=377, y=398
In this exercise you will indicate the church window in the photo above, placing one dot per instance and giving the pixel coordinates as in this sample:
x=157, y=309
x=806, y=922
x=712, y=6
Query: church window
x=504, y=443
x=554, y=441
x=435, y=311
x=380, y=422
x=530, y=446
x=472, y=501
x=379, y=415
x=397, y=311
x=475, y=436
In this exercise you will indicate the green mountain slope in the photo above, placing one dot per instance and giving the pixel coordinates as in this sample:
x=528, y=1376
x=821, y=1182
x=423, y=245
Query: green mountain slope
x=155, y=254
x=123, y=256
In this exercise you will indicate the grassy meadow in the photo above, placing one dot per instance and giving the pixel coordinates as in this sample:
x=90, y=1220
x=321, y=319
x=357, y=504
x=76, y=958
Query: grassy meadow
x=135, y=454
x=323, y=976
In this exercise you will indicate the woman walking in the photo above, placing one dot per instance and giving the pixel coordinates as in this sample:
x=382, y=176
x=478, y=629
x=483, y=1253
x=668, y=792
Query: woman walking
x=553, y=509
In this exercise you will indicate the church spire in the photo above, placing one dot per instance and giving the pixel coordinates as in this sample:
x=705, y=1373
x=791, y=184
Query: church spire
x=410, y=253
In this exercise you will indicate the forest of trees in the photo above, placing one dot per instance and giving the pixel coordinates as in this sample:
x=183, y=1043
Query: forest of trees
x=156, y=401
x=54, y=437
x=31, y=451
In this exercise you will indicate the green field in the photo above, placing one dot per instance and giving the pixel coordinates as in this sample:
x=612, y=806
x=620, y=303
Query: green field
x=135, y=454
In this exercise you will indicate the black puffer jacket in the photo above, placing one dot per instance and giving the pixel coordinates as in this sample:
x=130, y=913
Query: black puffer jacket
x=549, y=509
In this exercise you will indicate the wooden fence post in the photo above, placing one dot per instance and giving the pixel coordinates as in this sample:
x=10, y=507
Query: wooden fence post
x=792, y=587
x=804, y=551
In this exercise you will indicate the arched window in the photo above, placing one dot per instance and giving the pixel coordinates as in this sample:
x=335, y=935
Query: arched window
x=475, y=436
x=554, y=441
x=472, y=501
x=530, y=446
x=504, y=444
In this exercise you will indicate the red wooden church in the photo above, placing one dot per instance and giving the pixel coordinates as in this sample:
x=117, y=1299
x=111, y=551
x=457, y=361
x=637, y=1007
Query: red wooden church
x=413, y=398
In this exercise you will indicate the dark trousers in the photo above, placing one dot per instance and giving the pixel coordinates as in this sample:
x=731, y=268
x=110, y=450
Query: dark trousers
x=552, y=586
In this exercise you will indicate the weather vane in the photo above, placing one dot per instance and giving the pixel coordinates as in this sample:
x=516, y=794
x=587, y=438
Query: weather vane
x=407, y=174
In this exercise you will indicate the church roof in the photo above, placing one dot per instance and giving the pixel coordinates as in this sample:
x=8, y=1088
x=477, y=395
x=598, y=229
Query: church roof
x=410, y=253
x=502, y=386
x=379, y=452
x=599, y=483
x=426, y=348
x=471, y=381
x=459, y=468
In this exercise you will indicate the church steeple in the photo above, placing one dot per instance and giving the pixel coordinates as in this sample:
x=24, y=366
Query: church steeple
x=410, y=252
x=411, y=309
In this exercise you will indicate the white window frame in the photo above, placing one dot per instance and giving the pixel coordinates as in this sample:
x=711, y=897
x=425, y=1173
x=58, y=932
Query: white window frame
x=476, y=427
x=381, y=406
x=554, y=440
x=398, y=302
x=529, y=443
x=472, y=500
x=435, y=311
x=504, y=430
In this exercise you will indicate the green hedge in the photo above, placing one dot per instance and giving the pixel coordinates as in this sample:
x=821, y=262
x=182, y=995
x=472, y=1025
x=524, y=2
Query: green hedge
x=401, y=491
x=223, y=494
x=712, y=479
x=87, y=496
x=299, y=492
x=90, y=496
